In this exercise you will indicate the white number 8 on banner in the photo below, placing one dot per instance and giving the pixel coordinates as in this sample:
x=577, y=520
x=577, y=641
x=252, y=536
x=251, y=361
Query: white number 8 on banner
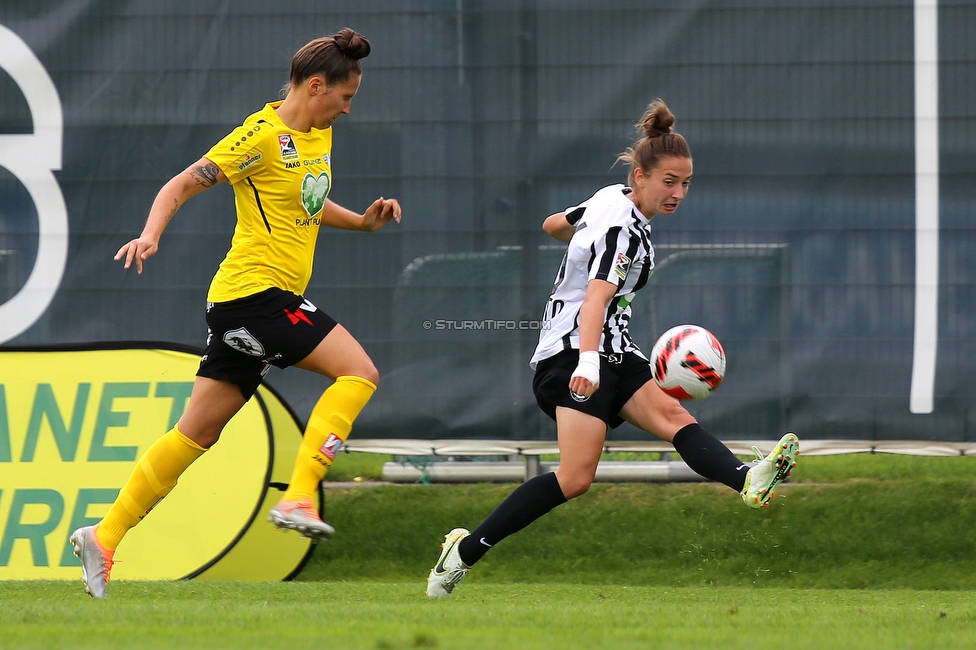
x=33, y=158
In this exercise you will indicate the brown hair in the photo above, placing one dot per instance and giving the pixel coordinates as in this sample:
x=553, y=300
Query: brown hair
x=334, y=57
x=659, y=140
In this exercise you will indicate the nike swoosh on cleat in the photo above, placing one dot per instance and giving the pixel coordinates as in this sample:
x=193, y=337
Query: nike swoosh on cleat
x=440, y=564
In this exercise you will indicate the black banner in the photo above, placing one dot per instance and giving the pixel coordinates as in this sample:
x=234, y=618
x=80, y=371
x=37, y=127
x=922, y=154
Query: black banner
x=799, y=244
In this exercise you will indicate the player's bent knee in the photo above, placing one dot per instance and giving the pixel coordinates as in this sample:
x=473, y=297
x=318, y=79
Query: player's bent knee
x=574, y=486
x=672, y=417
x=363, y=369
x=369, y=373
x=205, y=436
x=577, y=490
x=580, y=490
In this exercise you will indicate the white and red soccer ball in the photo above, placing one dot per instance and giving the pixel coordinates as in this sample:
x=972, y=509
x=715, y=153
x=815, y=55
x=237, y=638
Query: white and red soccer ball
x=688, y=362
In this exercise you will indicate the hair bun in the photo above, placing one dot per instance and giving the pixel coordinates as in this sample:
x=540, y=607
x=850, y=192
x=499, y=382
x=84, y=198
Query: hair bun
x=657, y=120
x=353, y=45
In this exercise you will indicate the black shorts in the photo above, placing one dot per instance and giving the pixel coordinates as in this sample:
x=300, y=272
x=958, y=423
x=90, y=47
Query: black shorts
x=621, y=375
x=248, y=335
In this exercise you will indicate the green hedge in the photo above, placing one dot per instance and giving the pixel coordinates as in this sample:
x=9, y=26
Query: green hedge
x=826, y=529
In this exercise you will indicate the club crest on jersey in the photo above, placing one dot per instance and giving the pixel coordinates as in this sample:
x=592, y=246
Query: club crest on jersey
x=314, y=191
x=331, y=447
x=621, y=266
x=243, y=341
x=288, y=149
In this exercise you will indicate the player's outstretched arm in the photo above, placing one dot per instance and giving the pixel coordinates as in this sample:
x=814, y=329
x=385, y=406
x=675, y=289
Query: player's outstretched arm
x=378, y=214
x=199, y=176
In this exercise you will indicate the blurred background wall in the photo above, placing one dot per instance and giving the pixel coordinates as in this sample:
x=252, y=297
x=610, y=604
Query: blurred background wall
x=796, y=246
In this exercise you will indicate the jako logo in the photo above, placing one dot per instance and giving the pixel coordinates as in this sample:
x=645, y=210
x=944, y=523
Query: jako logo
x=33, y=158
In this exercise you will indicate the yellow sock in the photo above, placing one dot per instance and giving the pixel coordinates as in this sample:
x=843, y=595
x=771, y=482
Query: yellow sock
x=328, y=427
x=152, y=479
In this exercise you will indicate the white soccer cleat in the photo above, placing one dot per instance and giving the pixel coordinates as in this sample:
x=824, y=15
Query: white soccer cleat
x=449, y=570
x=301, y=517
x=96, y=561
x=770, y=471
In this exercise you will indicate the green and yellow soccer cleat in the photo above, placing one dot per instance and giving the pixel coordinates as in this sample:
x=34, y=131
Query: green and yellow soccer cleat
x=449, y=570
x=770, y=471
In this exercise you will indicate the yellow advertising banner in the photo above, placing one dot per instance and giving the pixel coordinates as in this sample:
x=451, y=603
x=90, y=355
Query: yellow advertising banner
x=73, y=424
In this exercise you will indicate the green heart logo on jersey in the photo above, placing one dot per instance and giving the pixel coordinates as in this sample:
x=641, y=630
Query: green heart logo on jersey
x=314, y=191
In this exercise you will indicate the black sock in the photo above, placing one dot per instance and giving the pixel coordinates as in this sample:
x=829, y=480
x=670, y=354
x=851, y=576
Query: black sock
x=528, y=502
x=706, y=454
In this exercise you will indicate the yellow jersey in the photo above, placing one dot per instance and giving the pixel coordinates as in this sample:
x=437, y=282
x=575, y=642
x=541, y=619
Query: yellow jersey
x=281, y=179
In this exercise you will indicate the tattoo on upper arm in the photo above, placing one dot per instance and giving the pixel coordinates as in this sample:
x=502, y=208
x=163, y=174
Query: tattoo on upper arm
x=205, y=175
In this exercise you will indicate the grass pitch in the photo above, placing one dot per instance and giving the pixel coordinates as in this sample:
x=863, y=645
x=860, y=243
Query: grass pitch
x=858, y=552
x=386, y=616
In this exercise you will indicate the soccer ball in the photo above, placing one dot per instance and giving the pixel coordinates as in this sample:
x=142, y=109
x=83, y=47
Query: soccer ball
x=688, y=362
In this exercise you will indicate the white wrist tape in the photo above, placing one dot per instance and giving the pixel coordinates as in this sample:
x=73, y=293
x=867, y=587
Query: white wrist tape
x=589, y=366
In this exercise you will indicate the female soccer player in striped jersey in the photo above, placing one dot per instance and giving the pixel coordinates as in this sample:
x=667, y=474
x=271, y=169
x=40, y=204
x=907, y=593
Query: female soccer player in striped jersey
x=279, y=165
x=589, y=373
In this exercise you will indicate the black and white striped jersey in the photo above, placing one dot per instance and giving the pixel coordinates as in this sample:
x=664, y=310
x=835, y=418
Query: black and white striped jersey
x=612, y=242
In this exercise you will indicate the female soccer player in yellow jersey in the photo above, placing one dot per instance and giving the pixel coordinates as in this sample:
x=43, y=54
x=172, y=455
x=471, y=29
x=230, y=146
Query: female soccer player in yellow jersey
x=279, y=164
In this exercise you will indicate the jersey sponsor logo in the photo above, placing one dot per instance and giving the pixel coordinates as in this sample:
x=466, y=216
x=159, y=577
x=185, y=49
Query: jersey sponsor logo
x=243, y=341
x=331, y=446
x=621, y=266
x=288, y=149
x=314, y=191
x=249, y=159
x=294, y=164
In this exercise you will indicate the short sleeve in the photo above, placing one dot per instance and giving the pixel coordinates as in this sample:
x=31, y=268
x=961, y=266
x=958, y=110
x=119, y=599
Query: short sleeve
x=611, y=256
x=574, y=214
x=241, y=152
